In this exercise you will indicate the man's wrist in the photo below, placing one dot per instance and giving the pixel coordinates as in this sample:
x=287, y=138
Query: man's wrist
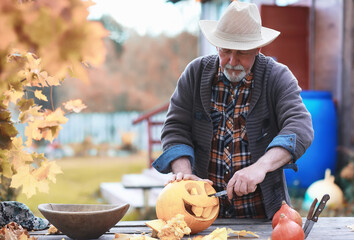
x=273, y=159
x=181, y=164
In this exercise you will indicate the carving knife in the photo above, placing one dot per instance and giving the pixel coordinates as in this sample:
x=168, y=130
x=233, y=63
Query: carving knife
x=315, y=216
x=310, y=214
x=218, y=194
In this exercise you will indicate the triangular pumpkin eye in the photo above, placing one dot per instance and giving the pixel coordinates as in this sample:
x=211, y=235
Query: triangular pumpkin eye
x=193, y=189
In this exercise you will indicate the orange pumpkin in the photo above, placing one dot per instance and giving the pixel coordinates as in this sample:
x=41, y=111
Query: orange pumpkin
x=287, y=229
x=191, y=199
x=291, y=213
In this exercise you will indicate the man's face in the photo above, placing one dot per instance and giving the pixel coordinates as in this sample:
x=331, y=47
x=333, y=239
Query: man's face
x=236, y=64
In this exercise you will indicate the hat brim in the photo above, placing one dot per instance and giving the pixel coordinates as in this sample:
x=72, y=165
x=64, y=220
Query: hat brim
x=208, y=28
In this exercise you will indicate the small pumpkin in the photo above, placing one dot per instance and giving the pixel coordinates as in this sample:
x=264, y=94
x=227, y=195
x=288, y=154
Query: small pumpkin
x=190, y=198
x=291, y=213
x=321, y=187
x=287, y=229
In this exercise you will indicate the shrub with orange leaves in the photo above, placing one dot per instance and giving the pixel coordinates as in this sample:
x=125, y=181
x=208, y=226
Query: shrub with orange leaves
x=42, y=42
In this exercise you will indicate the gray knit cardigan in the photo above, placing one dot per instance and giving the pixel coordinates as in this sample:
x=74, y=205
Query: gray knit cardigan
x=276, y=108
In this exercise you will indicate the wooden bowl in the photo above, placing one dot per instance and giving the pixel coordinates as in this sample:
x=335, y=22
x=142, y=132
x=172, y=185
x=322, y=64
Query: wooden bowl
x=83, y=221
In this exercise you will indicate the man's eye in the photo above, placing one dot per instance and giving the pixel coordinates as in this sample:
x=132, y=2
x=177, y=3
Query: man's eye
x=226, y=50
x=247, y=52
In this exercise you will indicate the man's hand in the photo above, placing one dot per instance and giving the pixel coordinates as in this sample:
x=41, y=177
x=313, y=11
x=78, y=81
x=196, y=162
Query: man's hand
x=245, y=180
x=182, y=170
x=185, y=176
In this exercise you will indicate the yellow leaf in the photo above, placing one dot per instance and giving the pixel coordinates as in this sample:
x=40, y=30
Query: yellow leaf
x=34, y=112
x=47, y=170
x=24, y=178
x=32, y=132
x=217, y=234
x=241, y=233
x=5, y=165
x=16, y=155
x=25, y=104
x=50, y=133
x=54, y=118
x=14, y=95
x=52, y=81
x=74, y=105
x=38, y=94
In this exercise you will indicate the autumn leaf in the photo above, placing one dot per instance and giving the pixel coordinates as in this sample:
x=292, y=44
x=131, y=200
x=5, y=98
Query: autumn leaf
x=13, y=96
x=38, y=94
x=32, y=132
x=217, y=234
x=16, y=155
x=7, y=129
x=48, y=170
x=5, y=165
x=74, y=105
x=25, y=104
x=47, y=127
x=241, y=233
x=32, y=73
x=52, y=119
x=31, y=114
x=24, y=178
x=32, y=180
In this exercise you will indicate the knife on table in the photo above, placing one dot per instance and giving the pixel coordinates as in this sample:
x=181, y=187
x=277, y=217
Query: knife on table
x=310, y=214
x=310, y=221
x=218, y=194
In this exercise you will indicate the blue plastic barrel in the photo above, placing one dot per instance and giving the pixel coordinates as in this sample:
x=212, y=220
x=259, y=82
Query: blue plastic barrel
x=322, y=152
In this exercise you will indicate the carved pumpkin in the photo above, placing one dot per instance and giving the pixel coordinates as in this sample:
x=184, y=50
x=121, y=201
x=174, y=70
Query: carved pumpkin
x=191, y=199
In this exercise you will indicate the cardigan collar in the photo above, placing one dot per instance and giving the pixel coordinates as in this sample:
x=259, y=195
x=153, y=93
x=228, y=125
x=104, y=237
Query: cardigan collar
x=211, y=67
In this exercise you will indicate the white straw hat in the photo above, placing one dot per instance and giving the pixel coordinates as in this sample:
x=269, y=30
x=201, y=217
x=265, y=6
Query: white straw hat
x=239, y=28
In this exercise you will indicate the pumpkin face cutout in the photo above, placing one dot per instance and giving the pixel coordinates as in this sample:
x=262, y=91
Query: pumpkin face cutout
x=191, y=199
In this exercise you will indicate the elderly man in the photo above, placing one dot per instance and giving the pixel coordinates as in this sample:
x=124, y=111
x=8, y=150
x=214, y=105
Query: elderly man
x=236, y=119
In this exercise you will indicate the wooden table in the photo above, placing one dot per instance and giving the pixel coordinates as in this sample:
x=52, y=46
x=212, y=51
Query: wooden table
x=334, y=228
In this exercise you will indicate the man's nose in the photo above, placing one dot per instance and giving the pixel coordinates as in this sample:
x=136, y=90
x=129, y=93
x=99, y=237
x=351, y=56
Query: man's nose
x=234, y=59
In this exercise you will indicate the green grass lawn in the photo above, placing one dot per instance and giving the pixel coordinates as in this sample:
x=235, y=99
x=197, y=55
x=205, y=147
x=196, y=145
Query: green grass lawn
x=81, y=178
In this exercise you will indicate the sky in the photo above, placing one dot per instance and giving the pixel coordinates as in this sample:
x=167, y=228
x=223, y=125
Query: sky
x=151, y=17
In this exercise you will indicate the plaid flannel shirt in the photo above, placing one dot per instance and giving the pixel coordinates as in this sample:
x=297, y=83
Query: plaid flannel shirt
x=229, y=151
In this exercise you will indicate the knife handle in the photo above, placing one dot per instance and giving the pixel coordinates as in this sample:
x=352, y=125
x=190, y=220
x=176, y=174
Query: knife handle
x=320, y=207
x=312, y=208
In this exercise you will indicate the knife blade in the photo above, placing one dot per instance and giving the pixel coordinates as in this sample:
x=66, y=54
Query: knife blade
x=317, y=213
x=218, y=194
x=310, y=214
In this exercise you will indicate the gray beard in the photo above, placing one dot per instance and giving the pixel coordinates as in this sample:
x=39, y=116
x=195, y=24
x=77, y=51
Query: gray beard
x=234, y=78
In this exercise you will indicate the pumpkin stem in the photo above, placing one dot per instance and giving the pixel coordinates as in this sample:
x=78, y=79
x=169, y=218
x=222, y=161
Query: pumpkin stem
x=328, y=176
x=283, y=202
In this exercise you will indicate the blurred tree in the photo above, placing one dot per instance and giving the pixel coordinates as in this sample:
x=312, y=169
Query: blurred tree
x=140, y=77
